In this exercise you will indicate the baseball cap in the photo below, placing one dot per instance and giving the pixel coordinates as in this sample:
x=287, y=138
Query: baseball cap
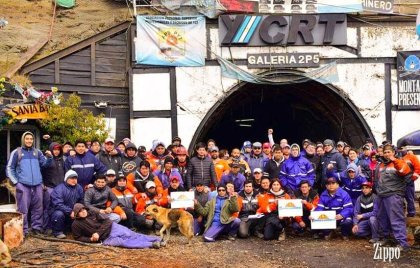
x=331, y=179
x=247, y=144
x=257, y=170
x=341, y=143
x=150, y=184
x=214, y=149
x=111, y=140
x=257, y=144
x=176, y=138
x=367, y=183
x=174, y=178
x=110, y=172
x=366, y=147
x=328, y=142
x=266, y=145
x=142, y=148
x=286, y=146
x=235, y=164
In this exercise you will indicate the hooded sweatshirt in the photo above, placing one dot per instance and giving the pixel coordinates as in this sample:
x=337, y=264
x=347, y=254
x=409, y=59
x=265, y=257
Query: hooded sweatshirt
x=24, y=165
x=352, y=186
x=296, y=169
x=53, y=175
x=65, y=196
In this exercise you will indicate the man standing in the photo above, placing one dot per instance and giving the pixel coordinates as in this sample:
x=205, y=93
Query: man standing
x=332, y=160
x=220, y=165
x=85, y=165
x=110, y=157
x=273, y=165
x=391, y=179
x=24, y=170
x=201, y=168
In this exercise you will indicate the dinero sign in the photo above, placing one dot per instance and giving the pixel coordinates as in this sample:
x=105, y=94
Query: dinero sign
x=292, y=30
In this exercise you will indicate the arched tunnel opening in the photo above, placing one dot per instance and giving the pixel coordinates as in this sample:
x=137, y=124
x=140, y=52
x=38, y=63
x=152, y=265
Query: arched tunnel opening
x=294, y=111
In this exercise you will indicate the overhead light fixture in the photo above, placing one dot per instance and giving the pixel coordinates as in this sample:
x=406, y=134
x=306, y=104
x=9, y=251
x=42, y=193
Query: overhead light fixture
x=243, y=125
x=245, y=120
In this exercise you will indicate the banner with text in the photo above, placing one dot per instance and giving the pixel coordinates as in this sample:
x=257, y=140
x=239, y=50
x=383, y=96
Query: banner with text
x=171, y=40
x=408, y=79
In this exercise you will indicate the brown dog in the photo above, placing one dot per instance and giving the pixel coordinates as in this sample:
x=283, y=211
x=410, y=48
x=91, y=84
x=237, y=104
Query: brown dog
x=172, y=218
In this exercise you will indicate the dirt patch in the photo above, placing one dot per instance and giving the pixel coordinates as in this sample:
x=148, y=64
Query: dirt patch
x=253, y=252
x=29, y=22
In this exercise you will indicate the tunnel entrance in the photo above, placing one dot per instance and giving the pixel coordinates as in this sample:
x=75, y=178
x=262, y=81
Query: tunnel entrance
x=294, y=111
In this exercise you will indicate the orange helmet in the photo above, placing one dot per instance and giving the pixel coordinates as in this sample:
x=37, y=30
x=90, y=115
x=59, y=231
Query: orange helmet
x=181, y=151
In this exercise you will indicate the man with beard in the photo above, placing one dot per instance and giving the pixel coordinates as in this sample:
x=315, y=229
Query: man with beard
x=109, y=156
x=256, y=158
x=248, y=204
x=236, y=157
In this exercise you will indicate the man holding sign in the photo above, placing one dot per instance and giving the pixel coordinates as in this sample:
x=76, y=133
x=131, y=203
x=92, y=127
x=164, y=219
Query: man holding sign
x=336, y=199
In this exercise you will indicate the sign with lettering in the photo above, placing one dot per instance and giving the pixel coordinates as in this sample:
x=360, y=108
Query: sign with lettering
x=322, y=220
x=408, y=79
x=279, y=30
x=380, y=6
x=282, y=60
x=27, y=111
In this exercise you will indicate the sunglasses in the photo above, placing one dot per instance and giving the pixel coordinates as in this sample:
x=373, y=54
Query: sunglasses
x=256, y=148
x=221, y=190
x=351, y=171
x=364, y=187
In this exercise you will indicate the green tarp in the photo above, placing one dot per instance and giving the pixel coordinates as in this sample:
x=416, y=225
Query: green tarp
x=66, y=3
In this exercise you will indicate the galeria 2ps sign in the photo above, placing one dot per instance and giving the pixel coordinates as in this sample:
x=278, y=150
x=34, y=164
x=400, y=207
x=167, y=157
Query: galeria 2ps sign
x=279, y=30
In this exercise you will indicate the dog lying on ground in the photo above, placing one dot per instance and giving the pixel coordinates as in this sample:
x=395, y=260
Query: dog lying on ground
x=5, y=256
x=172, y=218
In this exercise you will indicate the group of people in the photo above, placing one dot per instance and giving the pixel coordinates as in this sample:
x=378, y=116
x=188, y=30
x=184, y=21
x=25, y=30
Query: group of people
x=101, y=192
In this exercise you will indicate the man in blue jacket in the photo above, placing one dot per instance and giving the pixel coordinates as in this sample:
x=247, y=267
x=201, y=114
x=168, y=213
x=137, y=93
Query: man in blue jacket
x=85, y=165
x=332, y=160
x=234, y=177
x=24, y=170
x=63, y=199
x=351, y=180
x=295, y=169
x=335, y=198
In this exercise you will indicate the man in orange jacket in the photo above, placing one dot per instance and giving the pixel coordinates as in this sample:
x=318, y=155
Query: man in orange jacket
x=310, y=199
x=414, y=164
x=125, y=205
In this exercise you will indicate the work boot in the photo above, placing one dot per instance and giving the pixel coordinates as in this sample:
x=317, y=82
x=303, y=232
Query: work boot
x=231, y=237
x=259, y=234
x=282, y=235
x=329, y=236
x=156, y=245
x=60, y=236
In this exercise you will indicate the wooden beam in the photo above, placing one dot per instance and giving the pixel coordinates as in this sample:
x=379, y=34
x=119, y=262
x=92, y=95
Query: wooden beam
x=26, y=57
x=76, y=47
x=57, y=71
x=92, y=64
